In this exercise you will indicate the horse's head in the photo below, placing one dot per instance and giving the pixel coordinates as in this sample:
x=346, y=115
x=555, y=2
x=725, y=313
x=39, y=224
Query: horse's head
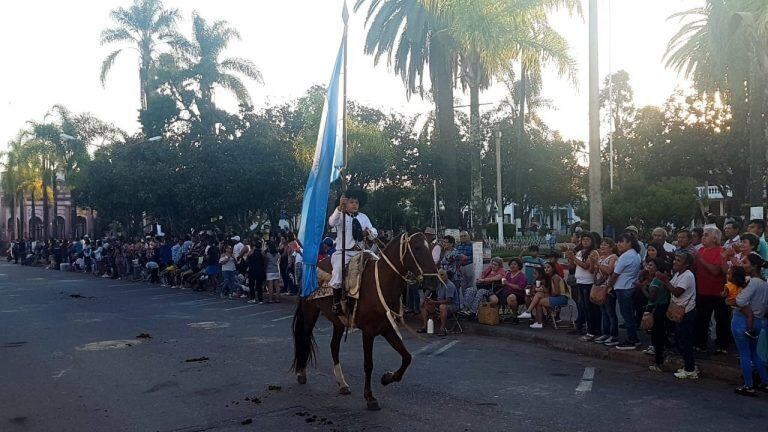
x=417, y=259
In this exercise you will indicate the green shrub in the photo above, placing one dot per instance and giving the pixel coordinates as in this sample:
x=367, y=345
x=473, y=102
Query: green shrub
x=491, y=230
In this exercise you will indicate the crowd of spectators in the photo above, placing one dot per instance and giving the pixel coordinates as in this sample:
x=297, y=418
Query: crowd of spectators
x=258, y=268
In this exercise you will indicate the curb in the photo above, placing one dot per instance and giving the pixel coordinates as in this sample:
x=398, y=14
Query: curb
x=709, y=369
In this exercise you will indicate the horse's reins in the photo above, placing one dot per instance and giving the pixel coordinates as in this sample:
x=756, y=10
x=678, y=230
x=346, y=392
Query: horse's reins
x=405, y=248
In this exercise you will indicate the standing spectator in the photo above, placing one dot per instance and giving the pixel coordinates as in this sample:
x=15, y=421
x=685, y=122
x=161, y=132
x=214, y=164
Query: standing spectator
x=465, y=266
x=584, y=260
x=658, y=302
x=272, y=258
x=732, y=230
x=176, y=252
x=710, y=279
x=757, y=227
x=531, y=260
x=685, y=242
x=256, y=272
x=622, y=280
x=227, y=262
x=605, y=266
x=659, y=235
x=754, y=297
x=212, y=269
x=696, y=235
x=683, y=290
x=437, y=249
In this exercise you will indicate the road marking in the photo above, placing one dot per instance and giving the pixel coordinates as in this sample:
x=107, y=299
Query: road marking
x=586, y=381
x=61, y=373
x=194, y=302
x=259, y=313
x=283, y=318
x=121, y=285
x=426, y=347
x=207, y=325
x=239, y=307
x=444, y=349
x=160, y=296
x=137, y=290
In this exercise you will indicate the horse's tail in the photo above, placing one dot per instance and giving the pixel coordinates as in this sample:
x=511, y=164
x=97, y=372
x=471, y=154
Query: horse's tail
x=303, y=340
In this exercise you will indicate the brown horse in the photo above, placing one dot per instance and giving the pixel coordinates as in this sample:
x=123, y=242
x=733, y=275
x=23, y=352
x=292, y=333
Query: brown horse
x=405, y=259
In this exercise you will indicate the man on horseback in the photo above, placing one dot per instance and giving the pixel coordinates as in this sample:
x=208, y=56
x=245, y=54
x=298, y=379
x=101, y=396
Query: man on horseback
x=357, y=228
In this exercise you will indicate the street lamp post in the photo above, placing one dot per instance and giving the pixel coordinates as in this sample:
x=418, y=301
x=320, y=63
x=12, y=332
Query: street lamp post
x=595, y=195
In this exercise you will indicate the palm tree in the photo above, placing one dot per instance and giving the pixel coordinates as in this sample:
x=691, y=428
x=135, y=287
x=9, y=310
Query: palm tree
x=722, y=47
x=144, y=26
x=411, y=38
x=10, y=184
x=491, y=34
x=201, y=55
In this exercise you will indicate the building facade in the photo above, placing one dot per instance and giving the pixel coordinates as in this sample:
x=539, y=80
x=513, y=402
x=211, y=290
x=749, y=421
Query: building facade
x=68, y=222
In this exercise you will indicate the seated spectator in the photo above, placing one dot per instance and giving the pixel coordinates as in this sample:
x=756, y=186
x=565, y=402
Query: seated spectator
x=551, y=291
x=530, y=261
x=513, y=286
x=474, y=295
x=446, y=301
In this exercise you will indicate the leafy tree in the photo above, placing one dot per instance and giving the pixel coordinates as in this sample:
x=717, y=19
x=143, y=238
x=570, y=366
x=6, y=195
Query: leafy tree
x=668, y=202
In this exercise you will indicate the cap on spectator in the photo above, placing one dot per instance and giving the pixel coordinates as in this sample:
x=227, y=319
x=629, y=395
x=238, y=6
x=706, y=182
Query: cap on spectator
x=632, y=228
x=236, y=238
x=430, y=230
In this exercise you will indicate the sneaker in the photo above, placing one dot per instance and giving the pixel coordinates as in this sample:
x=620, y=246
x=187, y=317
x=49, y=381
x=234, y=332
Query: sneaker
x=525, y=315
x=745, y=391
x=261, y=302
x=720, y=351
x=687, y=375
x=536, y=325
x=655, y=368
x=587, y=337
x=601, y=339
x=251, y=301
x=611, y=341
x=650, y=350
x=626, y=346
x=751, y=334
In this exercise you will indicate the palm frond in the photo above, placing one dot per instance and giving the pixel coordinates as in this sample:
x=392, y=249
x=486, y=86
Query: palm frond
x=243, y=67
x=106, y=65
x=236, y=86
x=119, y=34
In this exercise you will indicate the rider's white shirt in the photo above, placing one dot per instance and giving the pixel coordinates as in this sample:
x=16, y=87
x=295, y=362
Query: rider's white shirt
x=335, y=221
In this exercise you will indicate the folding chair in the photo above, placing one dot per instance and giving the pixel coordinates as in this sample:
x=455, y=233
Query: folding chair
x=567, y=309
x=453, y=325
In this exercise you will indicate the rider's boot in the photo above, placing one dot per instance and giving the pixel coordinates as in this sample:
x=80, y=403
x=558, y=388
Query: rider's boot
x=337, y=310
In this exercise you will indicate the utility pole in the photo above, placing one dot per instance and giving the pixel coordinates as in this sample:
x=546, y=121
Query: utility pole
x=595, y=192
x=499, y=203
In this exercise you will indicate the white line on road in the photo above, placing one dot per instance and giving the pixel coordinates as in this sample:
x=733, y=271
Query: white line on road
x=444, y=349
x=258, y=313
x=283, y=318
x=239, y=307
x=427, y=347
x=137, y=290
x=586, y=381
x=121, y=285
x=192, y=302
x=160, y=296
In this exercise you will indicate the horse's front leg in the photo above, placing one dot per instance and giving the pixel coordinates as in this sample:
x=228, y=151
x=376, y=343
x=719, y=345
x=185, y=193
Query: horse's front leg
x=373, y=404
x=396, y=343
x=338, y=332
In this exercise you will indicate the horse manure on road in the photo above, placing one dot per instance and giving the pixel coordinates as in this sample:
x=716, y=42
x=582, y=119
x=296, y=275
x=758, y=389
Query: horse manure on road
x=144, y=336
x=197, y=359
x=273, y=387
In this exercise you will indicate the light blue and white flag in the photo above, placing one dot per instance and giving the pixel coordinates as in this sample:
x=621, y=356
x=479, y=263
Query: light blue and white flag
x=326, y=168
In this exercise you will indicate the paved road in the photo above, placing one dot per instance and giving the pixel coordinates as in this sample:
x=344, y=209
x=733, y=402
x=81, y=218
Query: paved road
x=58, y=374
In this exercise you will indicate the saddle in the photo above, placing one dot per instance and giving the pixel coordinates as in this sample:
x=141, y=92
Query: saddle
x=354, y=273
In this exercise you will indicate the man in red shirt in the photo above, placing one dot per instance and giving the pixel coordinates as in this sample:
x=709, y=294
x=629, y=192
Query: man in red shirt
x=710, y=278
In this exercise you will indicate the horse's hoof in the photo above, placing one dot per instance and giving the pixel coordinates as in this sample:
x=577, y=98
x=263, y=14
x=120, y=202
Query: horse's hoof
x=302, y=379
x=387, y=378
x=373, y=406
x=344, y=391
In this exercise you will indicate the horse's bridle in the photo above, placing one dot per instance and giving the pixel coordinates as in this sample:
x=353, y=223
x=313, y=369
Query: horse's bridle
x=405, y=252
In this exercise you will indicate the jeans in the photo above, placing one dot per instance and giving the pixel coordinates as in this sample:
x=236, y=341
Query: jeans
x=684, y=340
x=748, y=348
x=610, y=319
x=705, y=305
x=589, y=313
x=626, y=299
x=229, y=282
x=414, y=299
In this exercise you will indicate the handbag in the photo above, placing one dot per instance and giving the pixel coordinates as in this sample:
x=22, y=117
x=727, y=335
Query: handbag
x=647, y=322
x=597, y=294
x=675, y=312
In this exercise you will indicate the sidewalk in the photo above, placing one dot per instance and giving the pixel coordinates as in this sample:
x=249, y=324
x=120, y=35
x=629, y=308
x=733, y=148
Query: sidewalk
x=719, y=367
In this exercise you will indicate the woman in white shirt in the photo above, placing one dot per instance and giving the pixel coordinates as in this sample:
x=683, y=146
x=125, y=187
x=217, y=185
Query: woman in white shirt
x=683, y=290
x=584, y=260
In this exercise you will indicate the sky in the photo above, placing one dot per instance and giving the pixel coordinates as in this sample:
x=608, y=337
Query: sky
x=51, y=55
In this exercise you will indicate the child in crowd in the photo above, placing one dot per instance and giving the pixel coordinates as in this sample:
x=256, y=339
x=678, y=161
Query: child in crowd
x=737, y=280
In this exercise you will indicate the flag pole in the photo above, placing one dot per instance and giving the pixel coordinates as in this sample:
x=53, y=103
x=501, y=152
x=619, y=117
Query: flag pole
x=345, y=17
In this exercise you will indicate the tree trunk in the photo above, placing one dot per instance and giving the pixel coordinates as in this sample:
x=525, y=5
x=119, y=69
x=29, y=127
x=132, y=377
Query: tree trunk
x=478, y=207
x=13, y=229
x=46, y=206
x=756, y=136
x=441, y=74
x=33, y=219
x=518, y=190
x=21, y=215
x=55, y=206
